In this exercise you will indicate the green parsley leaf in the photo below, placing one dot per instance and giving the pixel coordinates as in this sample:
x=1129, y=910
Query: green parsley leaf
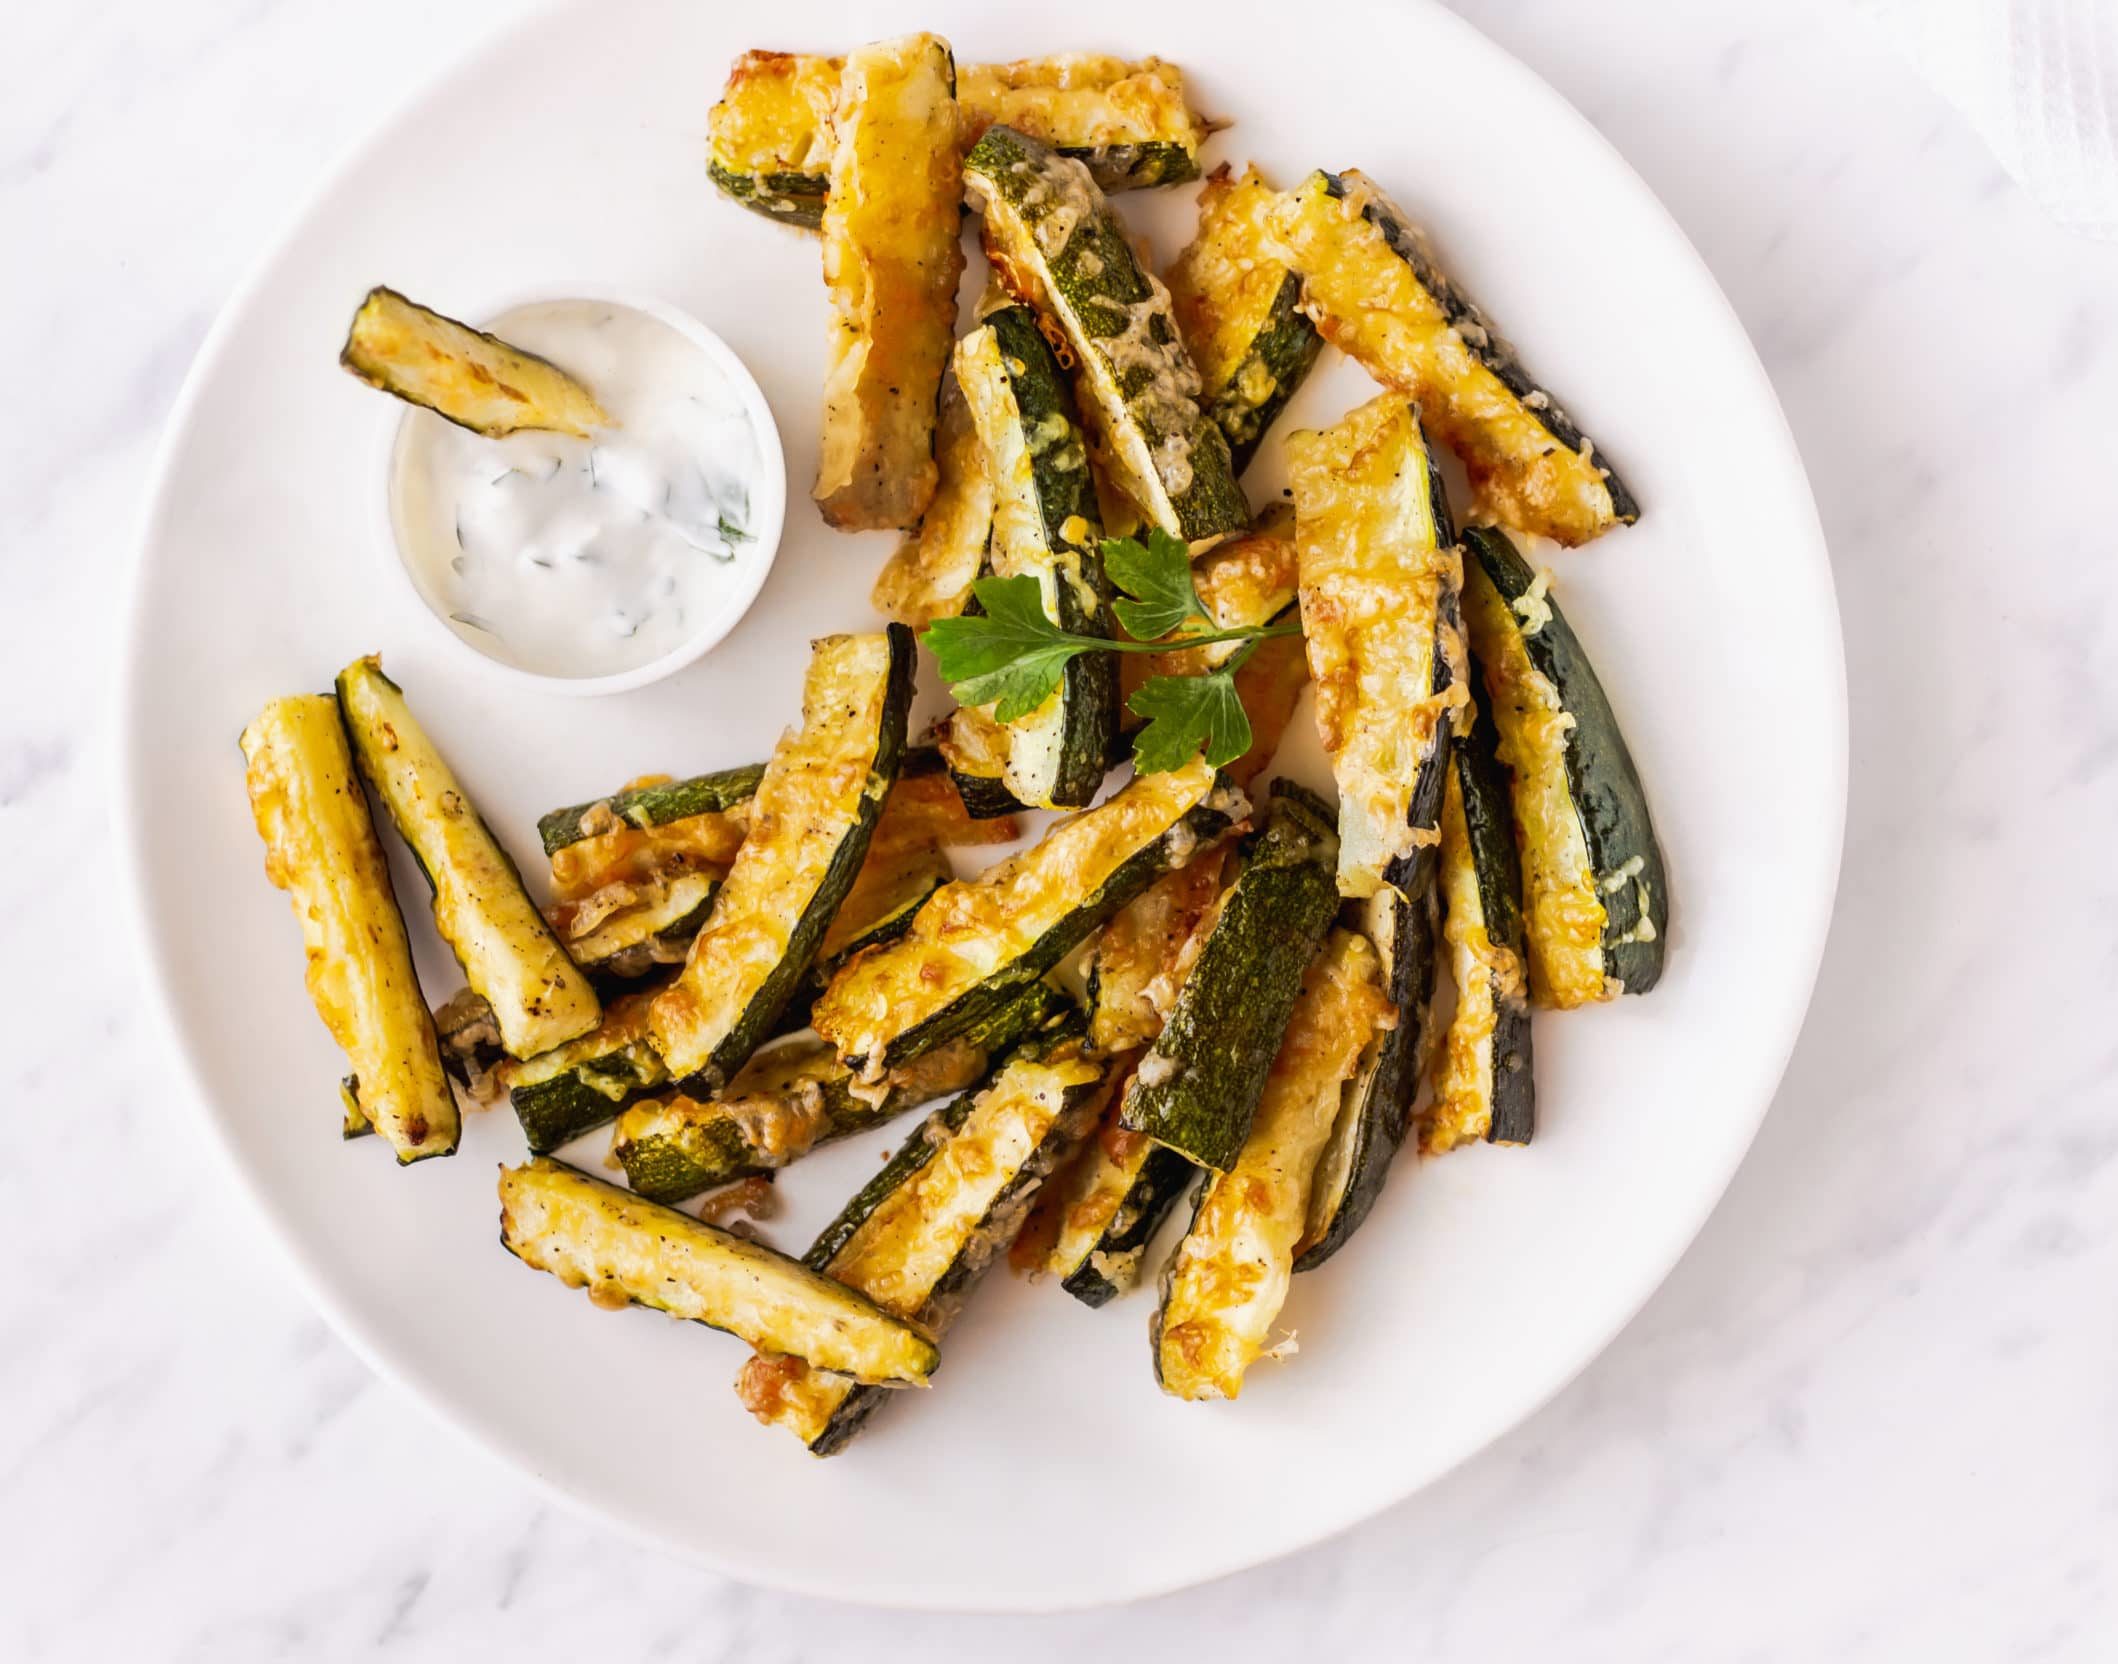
x=1010, y=653
x=1157, y=575
x=1183, y=711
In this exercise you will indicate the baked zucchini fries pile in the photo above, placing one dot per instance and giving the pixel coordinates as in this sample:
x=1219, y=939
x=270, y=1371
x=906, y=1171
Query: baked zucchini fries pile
x=1200, y=988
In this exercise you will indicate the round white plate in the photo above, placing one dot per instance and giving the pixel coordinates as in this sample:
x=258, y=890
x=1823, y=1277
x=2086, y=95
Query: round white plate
x=1044, y=1469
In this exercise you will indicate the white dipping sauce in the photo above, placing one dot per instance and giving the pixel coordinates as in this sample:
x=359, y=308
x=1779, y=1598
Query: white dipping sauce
x=586, y=557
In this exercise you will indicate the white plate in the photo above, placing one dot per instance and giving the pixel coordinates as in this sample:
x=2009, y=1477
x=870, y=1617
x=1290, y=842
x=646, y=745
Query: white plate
x=1044, y=1470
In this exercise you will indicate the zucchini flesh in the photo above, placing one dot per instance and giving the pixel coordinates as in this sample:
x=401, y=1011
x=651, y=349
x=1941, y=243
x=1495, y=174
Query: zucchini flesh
x=508, y=953
x=810, y=826
x=1200, y=1082
x=321, y=848
x=1224, y=1288
x=1380, y=583
x=462, y=374
x=892, y=256
x=1127, y=123
x=1045, y=529
x=1596, y=896
x=649, y=803
x=931, y=574
x=1137, y=962
x=771, y=134
x=792, y=1098
x=1376, y=1110
x=575, y=1088
x=626, y=930
x=977, y=942
x=1239, y=309
x=1056, y=244
x=1370, y=282
x=769, y=139
x=1103, y=1208
x=1248, y=580
x=1484, y=1087
x=920, y=1233
x=977, y=751
x=626, y=1250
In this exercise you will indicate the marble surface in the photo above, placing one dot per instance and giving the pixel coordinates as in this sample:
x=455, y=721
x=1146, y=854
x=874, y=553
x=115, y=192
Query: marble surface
x=1873, y=1414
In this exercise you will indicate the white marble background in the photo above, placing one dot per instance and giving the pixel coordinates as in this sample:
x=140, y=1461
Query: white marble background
x=1873, y=1415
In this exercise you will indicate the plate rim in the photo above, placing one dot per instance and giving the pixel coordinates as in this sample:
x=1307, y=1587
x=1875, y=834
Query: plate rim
x=411, y=1378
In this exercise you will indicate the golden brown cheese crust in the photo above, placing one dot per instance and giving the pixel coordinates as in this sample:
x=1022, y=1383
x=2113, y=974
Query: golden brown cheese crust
x=1374, y=584
x=775, y=114
x=1366, y=300
x=1485, y=972
x=462, y=374
x=1231, y=1273
x=809, y=798
x=892, y=257
x=1562, y=913
x=1224, y=283
x=968, y=929
x=626, y=1250
x=1133, y=965
x=931, y=574
x=321, y=848
x=1081, y=100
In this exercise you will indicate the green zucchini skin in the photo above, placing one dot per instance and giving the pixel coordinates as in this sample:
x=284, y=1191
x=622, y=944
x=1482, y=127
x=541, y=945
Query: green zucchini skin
x=711, y=1151
x=1173, y=848
x=1200, y=1082
x=1489, y=820
x=1376, y=1112
x=785, y=198
x=1019, y=399
x=1136, y=167
x=1601, y=777
x=1096, y=289
x=883, y=930
x=645, y=806
x=919, y=1149
x=1163, y=1177
x=607, y=1071
x=1279, y=361
x=762, y=1012
x=985, y=796
x=1485, y=342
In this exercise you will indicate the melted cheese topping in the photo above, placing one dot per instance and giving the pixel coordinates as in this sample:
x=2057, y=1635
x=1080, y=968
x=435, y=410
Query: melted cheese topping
x=931, y=573
x=1139, y=378
x=1563, y=914
x=1231, y=1273
x=321, y=848
x=1081, y=100
x=775, y=114
x=630, y=854
x=892, y=256
x=1484, y=972
x=622, y=917
x=970, y=929
x=1088, y=1201
x=809, y=801
x=952, y=1207
x=508, y=953
x=1373, y=586
x=625, y=1028
x=1225, y=282
x=1366, y=299
x=474, y=379
x=624, y=1249
x=1133, y=965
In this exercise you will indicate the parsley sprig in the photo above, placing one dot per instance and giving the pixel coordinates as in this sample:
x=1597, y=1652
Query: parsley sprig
x=1011, y=656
